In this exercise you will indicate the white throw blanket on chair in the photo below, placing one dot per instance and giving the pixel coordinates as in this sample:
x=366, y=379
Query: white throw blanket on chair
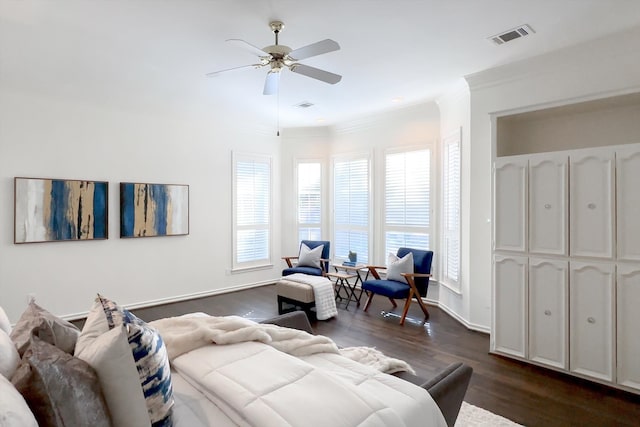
x=322, y=292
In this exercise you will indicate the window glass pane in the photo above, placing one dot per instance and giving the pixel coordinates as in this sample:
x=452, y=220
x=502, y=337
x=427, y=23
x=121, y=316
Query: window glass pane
x=252, y=210
x=407, y=188
x=351, y=208
x=309, y=233
x=252, y=245
x=407, y=200
x=451, y=208
x=309, y=197
x=405, y=240
x=355, y=241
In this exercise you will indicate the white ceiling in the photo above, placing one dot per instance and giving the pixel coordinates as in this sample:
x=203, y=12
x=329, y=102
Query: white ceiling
x=154, y=54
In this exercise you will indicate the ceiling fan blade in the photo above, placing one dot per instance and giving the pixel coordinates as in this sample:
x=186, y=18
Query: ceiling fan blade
x=271, y=83
x=243, y=67
x=248, y=47
x=316, y=73
x=314, y=49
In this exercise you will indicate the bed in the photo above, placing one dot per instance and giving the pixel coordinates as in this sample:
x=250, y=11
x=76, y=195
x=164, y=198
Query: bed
x=273, y=373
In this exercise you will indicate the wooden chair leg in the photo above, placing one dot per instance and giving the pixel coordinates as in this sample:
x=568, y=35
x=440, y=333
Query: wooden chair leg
x=406, y=306
x=423, y=306
x=369, y=298
x=393, y=302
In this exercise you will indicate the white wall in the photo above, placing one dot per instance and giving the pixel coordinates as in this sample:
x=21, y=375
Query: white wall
x=597, y=69
x=455, y=114
x=52, y=137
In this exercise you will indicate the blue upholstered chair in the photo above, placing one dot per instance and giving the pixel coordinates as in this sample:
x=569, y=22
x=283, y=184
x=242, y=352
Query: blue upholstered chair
x=305, y=269
x=414, y=286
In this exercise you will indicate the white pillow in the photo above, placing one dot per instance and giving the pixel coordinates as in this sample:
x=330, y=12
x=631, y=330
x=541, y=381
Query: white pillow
x=14, y=411
x=396, y=266
x=110, y=355
x=144, y=358
x=5, y=324
x=9, y=357
x=310, y=257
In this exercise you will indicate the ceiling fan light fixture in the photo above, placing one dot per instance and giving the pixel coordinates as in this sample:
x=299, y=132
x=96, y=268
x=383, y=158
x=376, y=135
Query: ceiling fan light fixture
x=279, y=56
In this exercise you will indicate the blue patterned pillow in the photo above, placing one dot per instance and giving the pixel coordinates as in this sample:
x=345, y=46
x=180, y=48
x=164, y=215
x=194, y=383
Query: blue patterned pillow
x=152, y=362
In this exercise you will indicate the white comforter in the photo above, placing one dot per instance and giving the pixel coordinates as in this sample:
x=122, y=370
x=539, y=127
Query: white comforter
x=255, y=384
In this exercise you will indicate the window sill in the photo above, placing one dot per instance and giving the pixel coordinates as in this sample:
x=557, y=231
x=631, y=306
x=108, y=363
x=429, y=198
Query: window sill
x=238, y=270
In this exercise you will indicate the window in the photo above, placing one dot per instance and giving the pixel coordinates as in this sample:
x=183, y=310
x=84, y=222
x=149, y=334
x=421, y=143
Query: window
x=351, y=208
x=407, y=200
x=451, y=209
x=251, y=211
x=309, y=201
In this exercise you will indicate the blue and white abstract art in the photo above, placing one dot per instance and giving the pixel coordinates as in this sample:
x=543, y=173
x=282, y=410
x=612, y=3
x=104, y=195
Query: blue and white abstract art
x=148, y=210
x=49, y=210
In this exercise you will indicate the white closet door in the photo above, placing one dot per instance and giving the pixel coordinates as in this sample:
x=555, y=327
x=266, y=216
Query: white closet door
x=510, y=204
x=628, y=368
x=628, y=202
x=548, y=217
x=548, y=308
x=591, y=319
x=591, y=203
x=510, y=310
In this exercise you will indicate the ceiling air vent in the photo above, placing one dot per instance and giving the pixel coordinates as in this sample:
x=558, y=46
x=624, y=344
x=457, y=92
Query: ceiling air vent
x=512, y=34
x=304, y=104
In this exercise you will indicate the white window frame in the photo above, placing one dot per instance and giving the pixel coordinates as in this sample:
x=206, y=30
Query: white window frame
x=451, y=139
x=370, y=218
x=300, y=225
x=261, y=263
x=428, y=229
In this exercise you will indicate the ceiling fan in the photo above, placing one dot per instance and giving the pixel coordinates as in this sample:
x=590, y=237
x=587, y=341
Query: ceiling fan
x=278, y=56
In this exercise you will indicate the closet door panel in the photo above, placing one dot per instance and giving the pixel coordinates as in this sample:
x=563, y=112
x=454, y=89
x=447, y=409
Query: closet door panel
x=591, y=203
x=591, y=319
x=548, y=216
x=510, y=311
x=548, y=311
x=510, y=204
x=628, y=203
x=628, y=286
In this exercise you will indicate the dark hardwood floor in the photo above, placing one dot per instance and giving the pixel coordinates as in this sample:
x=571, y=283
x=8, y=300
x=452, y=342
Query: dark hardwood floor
x=526, y=394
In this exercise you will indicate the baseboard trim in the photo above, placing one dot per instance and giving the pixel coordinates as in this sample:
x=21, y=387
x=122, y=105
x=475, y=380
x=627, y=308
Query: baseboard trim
x=179, y=298
x=463, y=321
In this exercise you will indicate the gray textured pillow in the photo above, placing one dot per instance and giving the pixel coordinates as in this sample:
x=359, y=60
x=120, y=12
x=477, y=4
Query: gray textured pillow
x=35, y=320
x=60, y=389
x=310, y=257
x=396, y=266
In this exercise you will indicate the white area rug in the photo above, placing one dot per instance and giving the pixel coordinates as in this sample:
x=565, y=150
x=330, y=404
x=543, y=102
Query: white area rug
x=472, y=416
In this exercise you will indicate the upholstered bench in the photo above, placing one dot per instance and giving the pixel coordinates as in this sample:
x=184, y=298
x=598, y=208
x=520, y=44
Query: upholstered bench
x=296, y=295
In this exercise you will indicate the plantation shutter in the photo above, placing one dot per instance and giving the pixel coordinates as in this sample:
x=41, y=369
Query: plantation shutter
x=451, y=209
x=407, y=200
x=351, y=208
x=309, y=201
x=252, y=210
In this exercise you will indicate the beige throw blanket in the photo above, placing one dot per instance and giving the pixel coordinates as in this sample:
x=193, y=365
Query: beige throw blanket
x=183, y=334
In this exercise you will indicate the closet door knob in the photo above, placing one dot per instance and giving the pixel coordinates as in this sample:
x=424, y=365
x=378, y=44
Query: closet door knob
x=547, y=312
x=591, y=320
x=547, y=206
x=591, y=205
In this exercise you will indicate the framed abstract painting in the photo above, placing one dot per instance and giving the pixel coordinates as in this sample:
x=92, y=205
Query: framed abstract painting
x=53, y=210
x=150, y=210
